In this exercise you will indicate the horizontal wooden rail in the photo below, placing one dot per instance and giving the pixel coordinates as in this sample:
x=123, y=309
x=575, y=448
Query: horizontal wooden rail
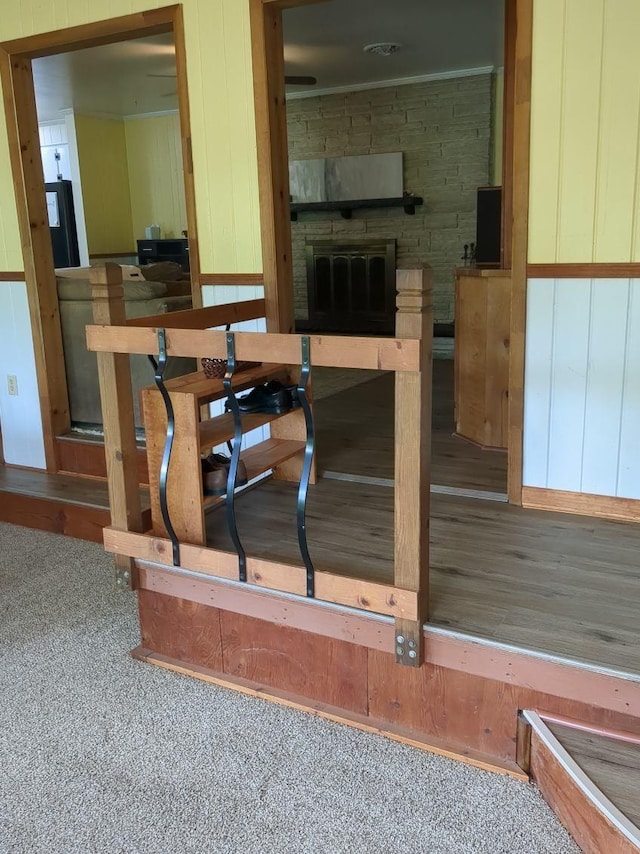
x=231, y=279
x=204, y=318
x=381, y=354
x=287, y=578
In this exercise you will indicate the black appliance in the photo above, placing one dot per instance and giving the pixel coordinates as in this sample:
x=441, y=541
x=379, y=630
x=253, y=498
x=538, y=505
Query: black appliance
x=62, y=224
x=488, y=225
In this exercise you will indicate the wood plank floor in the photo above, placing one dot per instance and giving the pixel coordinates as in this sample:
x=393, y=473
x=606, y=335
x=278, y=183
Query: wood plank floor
x=614, y=766
x=355, y=436
x=83, y=491
x=554, y=583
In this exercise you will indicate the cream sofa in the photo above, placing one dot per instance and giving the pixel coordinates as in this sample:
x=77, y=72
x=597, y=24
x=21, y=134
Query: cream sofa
x=141, y=298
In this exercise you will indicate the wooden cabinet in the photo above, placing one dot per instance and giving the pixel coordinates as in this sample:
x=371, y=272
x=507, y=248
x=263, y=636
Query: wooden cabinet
x=482, y=319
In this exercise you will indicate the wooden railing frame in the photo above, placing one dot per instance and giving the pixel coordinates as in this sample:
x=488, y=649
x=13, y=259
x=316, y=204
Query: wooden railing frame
x=408, y=355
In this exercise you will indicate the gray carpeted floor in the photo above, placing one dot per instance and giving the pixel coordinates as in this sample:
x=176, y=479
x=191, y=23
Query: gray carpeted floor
x=99, y=753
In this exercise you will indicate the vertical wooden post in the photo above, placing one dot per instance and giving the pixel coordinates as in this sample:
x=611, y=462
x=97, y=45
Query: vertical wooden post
x=413, y=460
x=116, y=396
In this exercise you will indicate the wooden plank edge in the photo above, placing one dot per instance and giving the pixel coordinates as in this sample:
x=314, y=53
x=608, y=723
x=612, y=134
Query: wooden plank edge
x=386, y=354
x=231, y=279
x=331, y=713
x=581, y=504
x=285, y=578
x=595, y=797
x=584, y=271
x=522, y=668
x=8, y=276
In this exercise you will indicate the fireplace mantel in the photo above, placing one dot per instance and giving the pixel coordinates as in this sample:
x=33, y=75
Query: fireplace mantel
x=408, y=202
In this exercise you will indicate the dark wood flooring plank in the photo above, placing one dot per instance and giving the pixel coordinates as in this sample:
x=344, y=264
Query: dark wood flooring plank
x=556, y=583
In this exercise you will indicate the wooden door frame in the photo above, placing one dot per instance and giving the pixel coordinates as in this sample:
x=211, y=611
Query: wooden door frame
x=273, y=180
x=24, y=150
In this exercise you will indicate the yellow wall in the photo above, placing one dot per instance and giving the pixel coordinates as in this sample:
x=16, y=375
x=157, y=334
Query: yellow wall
x=222, y=124
x=156, y=180
x=585, y=153
x=102, y=155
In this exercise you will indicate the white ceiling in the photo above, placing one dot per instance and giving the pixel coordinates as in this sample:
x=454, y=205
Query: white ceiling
x=112, y=79
x=437, y=36
x=324, y=40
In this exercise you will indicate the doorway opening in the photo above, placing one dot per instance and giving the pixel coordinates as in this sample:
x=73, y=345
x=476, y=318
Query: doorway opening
x=87, y=71
x=404, y=143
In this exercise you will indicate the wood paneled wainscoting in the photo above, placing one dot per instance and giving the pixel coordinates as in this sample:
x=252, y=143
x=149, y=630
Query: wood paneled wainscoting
x=340, y=664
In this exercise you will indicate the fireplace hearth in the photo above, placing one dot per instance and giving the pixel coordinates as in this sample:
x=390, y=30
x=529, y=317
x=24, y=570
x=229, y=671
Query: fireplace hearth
x=351, y=286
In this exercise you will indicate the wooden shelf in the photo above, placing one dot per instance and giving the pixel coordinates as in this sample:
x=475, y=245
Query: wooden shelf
x=261, y=458
x=346, y=208
x=206, y=390
x=221, y=428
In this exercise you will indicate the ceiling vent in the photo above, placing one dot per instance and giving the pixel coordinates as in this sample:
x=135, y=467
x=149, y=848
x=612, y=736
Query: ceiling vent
x=382, y=48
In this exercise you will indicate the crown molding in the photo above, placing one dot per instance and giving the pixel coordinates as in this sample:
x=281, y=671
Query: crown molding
x=151, y=114
x=400, y=81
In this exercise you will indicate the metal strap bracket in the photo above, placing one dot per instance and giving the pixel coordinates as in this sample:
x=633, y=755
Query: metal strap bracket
x=306, y=466
x=235, y=456
x=159, y=369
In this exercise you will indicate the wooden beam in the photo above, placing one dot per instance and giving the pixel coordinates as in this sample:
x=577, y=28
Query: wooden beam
x=382, y=354
x=203, y=318
x=506, y=222
x=584, y=271
x=184, y=115
x=519, y=243
x=28, y=183
x=235, y=279
x=114, y=374
x=286, y=578
x=273, y=165
x=138, y=25
x=414, y=320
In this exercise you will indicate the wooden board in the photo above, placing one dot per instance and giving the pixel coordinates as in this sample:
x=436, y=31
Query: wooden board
x=482, y=359
x=374, y=596
x=82, y=455
x=181, y=628
x=476, y=713
x=290, y=659
x=385, y=354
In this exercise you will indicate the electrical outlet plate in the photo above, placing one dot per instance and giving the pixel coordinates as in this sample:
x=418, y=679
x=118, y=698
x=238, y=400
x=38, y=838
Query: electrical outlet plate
x=12, y=384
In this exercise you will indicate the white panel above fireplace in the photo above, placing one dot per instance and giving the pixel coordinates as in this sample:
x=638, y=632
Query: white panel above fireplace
x=343, y=179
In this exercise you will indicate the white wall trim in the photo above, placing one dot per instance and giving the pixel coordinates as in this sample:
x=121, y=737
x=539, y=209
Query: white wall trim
x=151, y=115
x=400, y=81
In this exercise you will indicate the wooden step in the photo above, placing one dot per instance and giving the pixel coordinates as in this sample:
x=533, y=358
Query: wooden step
x=80, y=454
x=590, y=777
x=263, y=457
x=62, y=504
